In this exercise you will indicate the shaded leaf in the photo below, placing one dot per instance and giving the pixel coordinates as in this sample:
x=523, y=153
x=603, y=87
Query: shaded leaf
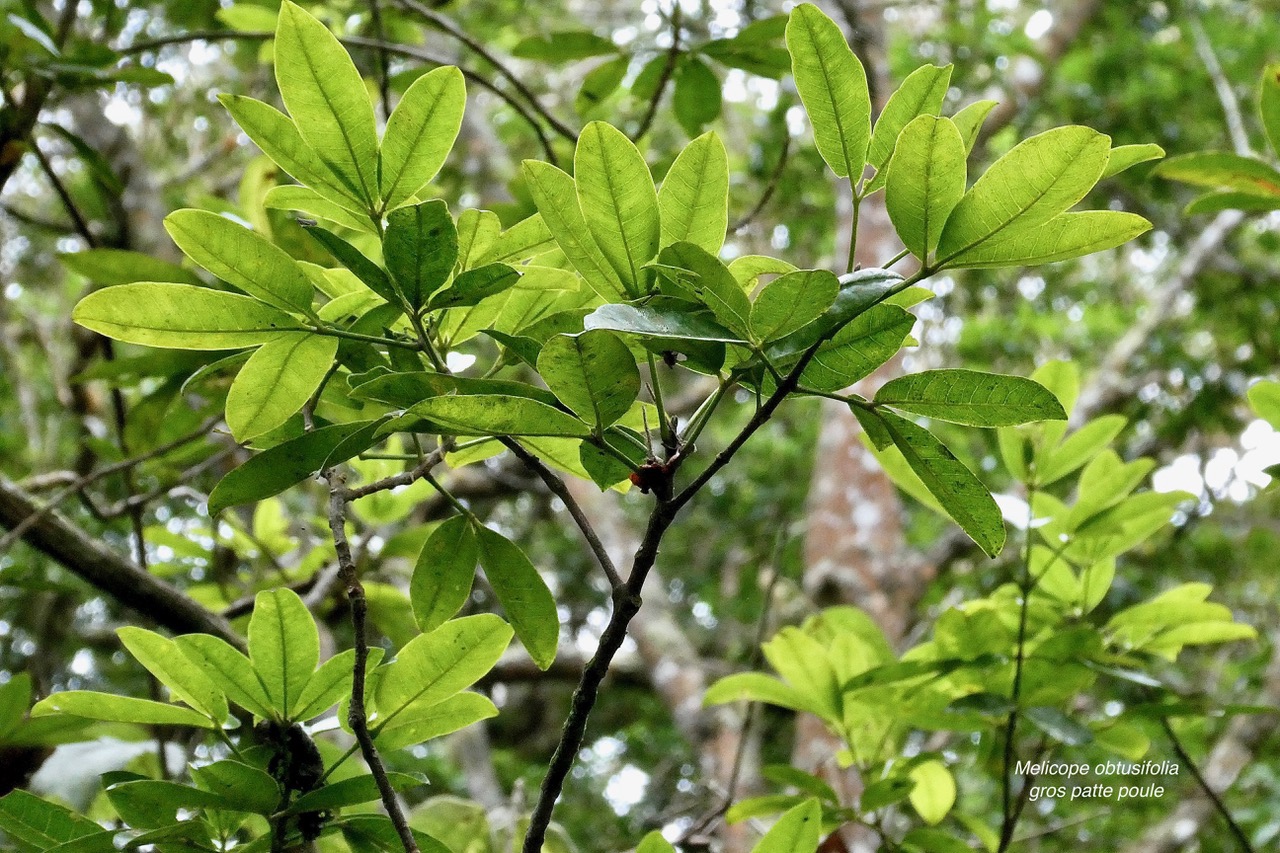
x=528, y=603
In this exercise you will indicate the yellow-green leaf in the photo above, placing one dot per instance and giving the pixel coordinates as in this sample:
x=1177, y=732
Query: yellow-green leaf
x=277, y=381
x=833, y=87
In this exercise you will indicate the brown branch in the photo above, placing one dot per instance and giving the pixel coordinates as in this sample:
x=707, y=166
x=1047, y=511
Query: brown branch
x=668, y=68
x=558, y=488
x=447, y=26
x=54, y=535
x=357, y=716
x=1218, y=804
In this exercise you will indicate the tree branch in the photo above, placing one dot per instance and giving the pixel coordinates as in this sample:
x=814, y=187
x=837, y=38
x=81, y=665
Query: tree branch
x=357, y=716
x=1221, y=87
x=54, y=535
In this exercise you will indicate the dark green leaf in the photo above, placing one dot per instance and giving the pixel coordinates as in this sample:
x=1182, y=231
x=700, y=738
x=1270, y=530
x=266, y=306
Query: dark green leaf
x=421, y=247
x=443, y=574
x=593, y=373
x=528, y=603
x=959, y=492
x=972, y=398
x=696, y=98
x=493, y=414
x=474, y=285
x=563, y=47
x=280, y=467
x=673, y=320
x=355, y=261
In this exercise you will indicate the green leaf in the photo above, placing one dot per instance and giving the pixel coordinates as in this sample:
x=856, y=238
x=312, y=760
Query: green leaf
x=593, y=373
x=802, y=662
x=421, y=247
x=369, y=273
x=420, y=134
x=108, y=267
x=284, y=646
x=229, y=669
x=797, y=831
x=921, y=94
x=867, y=342
x=527, y=239
x=1054, y=463
x=179, y=316
x=1069, y=235
x=1126, y=156
x=959, y=492
x=833, y=88
x=1222, y=170
x=599, y=83
x=758, y=687
x=119, y=709
x=528, y=603
x=474, y=285
x=494, y=414
x=15, y=698
x=1269, y=105
x=432, y=667
x=972, y=398
x=655, y=843
x=618, y=201
x=694, y=198
x=696, y=97
x=935, y=791
x=710, y=283
x=186, y=681
x=330, y=683
x=277, y=381
x=1058, y=726
x=564, y=46
x=556, y=198
x=660, y=320
x=925, y=180
x=1264, y=397
x=306, y=200
x=38, y=824
x=327, y=99
x=969, y=122
x=791, y=302
x=376, y=834
x=1232, y=200
x=935, y=841
x=274, y=470
x=1038, y=179
x=243, y=787
x=443, y=573
x=278, y=137
x=353, y=792
x=241, y=257
x=419, y=725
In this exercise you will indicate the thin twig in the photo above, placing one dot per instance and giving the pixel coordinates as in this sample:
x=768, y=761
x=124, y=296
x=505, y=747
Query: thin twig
x=1009, y=812
x=770, y=188
x=557, y=487
x=80, y=483
x=668, y=68
x=358, y=41
x=357, y=716
x=1218, y=804
x=384, y=83
x=1221, y=86
x=445, y=25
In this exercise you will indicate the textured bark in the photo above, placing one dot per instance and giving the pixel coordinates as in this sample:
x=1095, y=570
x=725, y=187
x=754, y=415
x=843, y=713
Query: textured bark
x=123, y=580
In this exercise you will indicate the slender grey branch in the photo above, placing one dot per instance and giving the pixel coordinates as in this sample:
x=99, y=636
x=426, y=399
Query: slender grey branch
x=1221, y=87
x=357, y=716
x=558, y=488
x=1218, y=804
x=668, y=68
x=445, y=25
